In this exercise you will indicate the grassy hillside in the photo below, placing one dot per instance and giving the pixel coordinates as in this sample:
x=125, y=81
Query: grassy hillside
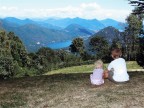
x=71, y=88
x=71, y=91
x=89, y=68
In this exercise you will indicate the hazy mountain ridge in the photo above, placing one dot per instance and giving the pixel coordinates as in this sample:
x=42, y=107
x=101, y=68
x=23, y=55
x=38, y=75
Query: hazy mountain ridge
x=77, y=30
x=113, y=23
x=93, y=24
x=34, y=35
x=39, y=33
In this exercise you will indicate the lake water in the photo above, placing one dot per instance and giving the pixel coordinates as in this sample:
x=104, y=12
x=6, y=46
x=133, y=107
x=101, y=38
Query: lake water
x=59, y=45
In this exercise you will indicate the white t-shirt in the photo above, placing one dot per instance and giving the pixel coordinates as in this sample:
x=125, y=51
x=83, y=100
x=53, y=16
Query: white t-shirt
x=120, y=70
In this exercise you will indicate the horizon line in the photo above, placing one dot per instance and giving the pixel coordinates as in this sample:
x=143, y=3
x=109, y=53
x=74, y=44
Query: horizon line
x=45, y=18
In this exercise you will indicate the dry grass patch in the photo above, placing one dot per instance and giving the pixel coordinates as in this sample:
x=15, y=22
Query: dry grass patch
x=71, y=91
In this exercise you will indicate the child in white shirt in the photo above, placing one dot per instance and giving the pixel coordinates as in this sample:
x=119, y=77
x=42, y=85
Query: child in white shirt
x=117, y=70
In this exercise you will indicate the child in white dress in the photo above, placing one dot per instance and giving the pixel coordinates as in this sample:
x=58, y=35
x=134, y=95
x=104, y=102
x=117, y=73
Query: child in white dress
x=97, y=77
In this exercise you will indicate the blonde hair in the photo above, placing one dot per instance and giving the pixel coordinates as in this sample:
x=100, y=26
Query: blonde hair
x=98, y=63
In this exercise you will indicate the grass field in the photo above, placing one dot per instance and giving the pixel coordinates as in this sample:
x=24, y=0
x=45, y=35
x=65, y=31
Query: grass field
x=89, y=68
x=71, y=88
x=71, y=91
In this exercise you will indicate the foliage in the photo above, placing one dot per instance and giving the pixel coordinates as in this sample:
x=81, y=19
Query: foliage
x=13, y=55
x=77, y=46
x=47, y=59
x=140, y=55
x=131, y=35
x=139, y=4
x=100, y=46
x=16, y=62
x=139, y=11
x=6, y=60
x=18, y=50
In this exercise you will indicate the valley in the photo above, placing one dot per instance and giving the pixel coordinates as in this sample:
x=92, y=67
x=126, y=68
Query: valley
x=51, y=32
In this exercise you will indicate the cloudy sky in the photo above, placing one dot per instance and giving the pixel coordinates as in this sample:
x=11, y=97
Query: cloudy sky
x=89, y=9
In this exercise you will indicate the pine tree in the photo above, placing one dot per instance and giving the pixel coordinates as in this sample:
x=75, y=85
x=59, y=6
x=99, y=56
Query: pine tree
x=139, y=12
x=139, y=4
x=131, y=36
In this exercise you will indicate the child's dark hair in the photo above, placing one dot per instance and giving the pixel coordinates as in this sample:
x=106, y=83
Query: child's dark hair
x=116, y=52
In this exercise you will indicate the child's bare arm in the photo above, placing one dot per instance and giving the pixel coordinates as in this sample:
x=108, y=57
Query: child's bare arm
x=105, y=74
x=106, y=71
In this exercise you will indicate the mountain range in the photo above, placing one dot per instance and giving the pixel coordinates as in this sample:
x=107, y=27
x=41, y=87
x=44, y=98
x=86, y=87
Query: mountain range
x=110, y=22
x=92, y=24
x=38, y=33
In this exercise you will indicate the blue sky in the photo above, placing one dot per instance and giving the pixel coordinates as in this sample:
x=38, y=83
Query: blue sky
x=89, y=9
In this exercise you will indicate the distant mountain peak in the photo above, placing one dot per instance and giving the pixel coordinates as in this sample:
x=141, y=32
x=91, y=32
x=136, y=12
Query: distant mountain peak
x=116, y=24
x=78, y=30
x=110, y=27
x=108, y=19
x=109, y=33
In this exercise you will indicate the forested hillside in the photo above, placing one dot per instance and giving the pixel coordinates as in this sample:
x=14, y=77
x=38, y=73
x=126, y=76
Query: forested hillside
x=16, y=61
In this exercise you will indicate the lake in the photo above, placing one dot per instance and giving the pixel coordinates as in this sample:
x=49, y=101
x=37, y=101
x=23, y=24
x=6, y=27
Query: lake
x=59, y=45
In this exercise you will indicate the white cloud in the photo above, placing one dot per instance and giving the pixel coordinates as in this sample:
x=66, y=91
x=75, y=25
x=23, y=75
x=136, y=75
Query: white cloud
x=5, y=8
x=93, y=6
x=85, y=10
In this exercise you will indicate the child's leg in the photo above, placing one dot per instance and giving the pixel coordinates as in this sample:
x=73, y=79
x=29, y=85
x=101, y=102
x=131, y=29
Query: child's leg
x=110, y=77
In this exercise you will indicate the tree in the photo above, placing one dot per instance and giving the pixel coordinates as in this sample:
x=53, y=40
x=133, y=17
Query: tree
x=116, y=43
x=18, y=50
x=140, y=55
x=6, y=60
x=100, y=46
x=131, y=35
x=139, y=11
x=13, y=56
x=139, y=4
x=77, y=46
x=47, y=59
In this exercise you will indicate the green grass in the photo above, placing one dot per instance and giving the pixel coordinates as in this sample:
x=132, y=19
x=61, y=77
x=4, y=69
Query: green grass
x=133, y=65
x=88, y=68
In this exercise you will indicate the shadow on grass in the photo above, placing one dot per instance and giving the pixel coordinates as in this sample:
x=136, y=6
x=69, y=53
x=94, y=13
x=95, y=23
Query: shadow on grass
x=41, y=80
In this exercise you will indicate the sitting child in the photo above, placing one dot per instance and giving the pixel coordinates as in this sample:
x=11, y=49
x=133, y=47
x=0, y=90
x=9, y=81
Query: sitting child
x=117, y=70
x=97, y=77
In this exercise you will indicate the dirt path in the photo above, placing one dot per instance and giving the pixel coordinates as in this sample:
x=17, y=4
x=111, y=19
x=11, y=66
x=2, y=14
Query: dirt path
x=71, y=91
